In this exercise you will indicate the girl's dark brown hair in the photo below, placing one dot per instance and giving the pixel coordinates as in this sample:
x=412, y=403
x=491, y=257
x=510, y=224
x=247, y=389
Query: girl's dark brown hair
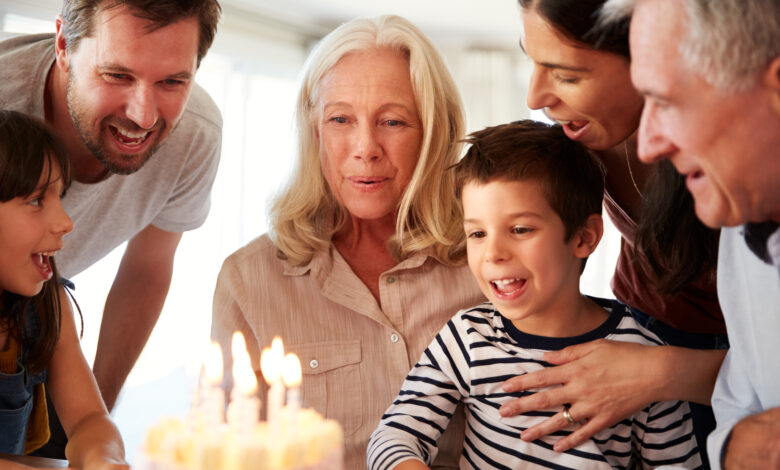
x=28, y=151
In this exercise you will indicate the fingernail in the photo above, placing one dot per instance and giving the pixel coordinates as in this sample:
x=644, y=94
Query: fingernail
x=503, y=411
x=507, y=388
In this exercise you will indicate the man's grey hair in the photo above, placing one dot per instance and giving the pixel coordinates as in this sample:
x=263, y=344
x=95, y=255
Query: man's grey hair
x=729, y=42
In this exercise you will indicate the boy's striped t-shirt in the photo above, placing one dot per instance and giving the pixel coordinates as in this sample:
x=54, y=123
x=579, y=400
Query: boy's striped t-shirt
x=470, y=358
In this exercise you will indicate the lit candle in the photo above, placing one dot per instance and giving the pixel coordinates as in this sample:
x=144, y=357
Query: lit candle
x=244, y=408
x=212, y=397
x=291, y=376
x=271, y=362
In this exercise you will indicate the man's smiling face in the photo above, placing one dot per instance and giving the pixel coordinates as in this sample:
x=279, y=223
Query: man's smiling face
x=128, y=85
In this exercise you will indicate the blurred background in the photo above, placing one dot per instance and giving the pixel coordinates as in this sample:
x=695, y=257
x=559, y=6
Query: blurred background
x=251, y=72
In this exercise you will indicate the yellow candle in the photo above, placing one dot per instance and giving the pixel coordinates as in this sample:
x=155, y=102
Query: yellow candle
x=244, y=408
x=271, y=363
x=212, y=406
x=291, y=376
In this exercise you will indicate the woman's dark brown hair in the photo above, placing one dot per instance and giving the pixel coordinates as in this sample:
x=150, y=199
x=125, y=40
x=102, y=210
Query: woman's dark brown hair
x=28, y=151
x=575, y=19
x=677, y=246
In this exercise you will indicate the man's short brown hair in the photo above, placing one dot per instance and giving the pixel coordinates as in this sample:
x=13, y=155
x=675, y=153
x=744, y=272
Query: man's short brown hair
x=78, y=16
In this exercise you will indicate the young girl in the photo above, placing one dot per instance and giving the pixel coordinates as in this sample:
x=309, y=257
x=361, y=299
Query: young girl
x=38, y=342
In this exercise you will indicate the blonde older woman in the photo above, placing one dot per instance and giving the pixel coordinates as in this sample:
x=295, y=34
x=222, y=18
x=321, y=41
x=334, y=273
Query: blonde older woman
x=364, y=262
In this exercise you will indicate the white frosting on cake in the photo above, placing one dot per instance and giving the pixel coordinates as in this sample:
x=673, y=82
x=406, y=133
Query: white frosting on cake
x=311, y=443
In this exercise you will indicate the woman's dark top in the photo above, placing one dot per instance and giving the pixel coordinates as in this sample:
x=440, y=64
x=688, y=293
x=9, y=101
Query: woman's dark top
x=694, y=309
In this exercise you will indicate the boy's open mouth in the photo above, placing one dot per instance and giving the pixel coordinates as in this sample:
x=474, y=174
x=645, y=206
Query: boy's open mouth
x=508, y=286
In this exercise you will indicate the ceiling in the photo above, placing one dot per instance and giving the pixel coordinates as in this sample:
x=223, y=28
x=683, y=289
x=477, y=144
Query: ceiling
x=493, y=24
x=470, y=23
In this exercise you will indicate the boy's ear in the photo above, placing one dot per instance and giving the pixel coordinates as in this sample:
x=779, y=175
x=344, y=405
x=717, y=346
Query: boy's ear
x=588, y=236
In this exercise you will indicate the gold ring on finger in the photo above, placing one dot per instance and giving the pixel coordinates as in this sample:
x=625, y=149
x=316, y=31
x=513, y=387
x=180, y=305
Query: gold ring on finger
x=567, y=415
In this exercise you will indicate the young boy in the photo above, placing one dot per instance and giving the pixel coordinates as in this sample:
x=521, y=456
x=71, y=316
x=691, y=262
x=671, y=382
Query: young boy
x=531, y=203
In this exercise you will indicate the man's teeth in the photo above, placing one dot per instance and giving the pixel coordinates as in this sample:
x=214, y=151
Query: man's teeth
x=562, y=122
x=504, y=282
x=130, y=138
x=131, y=135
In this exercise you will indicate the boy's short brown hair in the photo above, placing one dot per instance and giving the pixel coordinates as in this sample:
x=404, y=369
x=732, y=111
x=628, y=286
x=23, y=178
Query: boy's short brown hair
x=571, y=178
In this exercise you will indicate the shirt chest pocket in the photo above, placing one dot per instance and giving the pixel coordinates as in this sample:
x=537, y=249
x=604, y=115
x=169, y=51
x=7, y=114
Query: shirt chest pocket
x=332, y=381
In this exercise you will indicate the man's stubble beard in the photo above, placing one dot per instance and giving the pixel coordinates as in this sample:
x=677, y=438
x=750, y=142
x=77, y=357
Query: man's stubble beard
x=112, y=162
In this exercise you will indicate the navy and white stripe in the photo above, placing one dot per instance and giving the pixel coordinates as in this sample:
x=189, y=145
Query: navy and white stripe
x=475, y=352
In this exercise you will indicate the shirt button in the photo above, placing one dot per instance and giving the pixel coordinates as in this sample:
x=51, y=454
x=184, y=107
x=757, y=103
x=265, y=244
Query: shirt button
x=314, y=363
x=394, y=338
x=390, y=280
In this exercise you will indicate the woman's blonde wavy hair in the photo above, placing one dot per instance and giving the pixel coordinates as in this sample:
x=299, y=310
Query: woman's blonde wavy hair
x=306, y=214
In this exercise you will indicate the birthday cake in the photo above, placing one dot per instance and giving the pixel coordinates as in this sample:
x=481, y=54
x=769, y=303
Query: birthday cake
x=293, y=438
x=308, y=443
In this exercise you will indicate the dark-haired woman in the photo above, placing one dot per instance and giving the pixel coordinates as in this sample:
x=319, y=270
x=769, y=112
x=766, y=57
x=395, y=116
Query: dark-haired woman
x=666, y=267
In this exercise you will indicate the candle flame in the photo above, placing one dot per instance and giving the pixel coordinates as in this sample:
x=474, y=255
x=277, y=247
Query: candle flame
x=244, y=377
x=269, y=366
x=272, y=360
x=291, y=372
x=213, y=364
x=238, y=345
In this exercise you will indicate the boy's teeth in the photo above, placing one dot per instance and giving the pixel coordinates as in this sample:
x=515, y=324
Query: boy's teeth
x=508, y=285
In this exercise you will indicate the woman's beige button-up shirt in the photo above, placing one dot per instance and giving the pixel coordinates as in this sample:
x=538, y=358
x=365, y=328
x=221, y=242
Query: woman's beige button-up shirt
x=354, y=353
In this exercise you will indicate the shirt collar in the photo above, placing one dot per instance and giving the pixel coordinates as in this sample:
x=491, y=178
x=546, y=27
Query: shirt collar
x=763, y=239
x=773, y=246
x=322, y=261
